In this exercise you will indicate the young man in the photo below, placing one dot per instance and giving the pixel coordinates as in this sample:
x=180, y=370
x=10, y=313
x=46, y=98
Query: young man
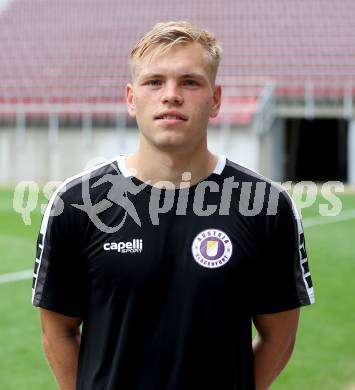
x=166, y=256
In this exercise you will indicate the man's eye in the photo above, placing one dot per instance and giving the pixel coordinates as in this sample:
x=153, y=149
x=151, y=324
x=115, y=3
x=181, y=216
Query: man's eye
x=190, y=82
x=154, y=82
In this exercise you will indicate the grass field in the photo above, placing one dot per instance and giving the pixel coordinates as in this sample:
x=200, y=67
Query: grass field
x=324, y=358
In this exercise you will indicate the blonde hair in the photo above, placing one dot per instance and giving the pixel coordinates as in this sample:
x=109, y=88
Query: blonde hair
x=163, y=36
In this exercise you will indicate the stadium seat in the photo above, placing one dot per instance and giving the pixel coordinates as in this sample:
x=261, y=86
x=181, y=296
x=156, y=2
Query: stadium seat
x=76, y=51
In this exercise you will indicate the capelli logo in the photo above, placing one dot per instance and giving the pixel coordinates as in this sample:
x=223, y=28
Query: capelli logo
x=134, y=246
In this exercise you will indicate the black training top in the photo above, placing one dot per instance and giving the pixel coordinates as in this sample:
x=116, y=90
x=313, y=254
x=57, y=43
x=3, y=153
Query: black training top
x=167, y=281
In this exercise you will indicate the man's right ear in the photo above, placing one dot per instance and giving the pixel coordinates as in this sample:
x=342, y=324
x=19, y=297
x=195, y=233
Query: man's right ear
x=129, y=100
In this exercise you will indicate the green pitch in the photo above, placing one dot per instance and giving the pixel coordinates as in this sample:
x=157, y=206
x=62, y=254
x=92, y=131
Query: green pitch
x=324, y=358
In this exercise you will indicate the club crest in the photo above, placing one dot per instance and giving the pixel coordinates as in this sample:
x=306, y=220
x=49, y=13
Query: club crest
x=212, y=248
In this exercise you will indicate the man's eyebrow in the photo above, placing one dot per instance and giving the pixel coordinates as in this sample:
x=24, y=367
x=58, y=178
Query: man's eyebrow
x=192, y=76
x=151, y=75
x=182, y=75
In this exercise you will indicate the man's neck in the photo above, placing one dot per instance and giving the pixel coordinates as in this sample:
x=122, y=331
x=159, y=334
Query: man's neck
x=170, y=166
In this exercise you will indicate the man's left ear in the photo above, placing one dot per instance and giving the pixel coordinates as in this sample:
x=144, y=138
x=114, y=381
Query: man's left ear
x=216, y=104
x=129, y=100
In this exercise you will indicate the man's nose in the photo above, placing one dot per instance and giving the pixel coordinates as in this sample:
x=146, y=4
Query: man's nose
x=172, y=94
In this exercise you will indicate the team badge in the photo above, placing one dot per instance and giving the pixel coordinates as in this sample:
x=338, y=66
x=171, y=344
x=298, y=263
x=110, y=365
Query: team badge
x=212, y=248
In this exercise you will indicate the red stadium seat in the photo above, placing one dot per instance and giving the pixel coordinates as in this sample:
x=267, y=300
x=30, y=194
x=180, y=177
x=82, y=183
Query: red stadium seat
x=76, y=51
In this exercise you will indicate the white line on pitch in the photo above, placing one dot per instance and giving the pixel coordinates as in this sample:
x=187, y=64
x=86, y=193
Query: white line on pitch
x=15, y=276
x=343, y=216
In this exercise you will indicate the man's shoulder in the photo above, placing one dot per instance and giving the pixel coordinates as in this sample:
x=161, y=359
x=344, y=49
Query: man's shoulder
x=87, y=181
x=79, y=192
x=247, y=175
x=252, y=181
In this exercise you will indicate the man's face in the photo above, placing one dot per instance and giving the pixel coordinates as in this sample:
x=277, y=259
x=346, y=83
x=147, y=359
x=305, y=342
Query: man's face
x=173, y=96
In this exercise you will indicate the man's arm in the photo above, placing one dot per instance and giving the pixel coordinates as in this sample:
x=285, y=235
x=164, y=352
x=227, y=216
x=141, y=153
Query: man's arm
x=61, y=341
x=273, y=345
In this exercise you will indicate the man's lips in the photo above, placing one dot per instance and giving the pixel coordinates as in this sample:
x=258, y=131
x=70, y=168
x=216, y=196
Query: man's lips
x=171, y=116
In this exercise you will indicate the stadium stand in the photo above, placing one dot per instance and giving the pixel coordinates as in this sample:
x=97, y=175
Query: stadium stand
x=75, y=51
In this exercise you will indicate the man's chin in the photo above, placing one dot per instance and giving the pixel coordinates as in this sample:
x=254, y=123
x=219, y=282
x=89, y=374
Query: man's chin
x=170, y=142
